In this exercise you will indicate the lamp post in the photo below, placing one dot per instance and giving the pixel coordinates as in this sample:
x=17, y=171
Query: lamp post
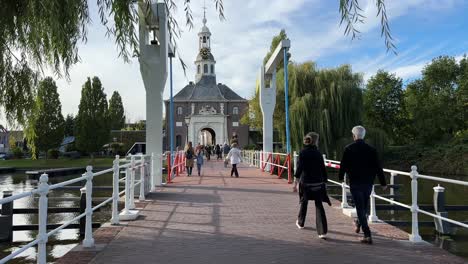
x=187, y=122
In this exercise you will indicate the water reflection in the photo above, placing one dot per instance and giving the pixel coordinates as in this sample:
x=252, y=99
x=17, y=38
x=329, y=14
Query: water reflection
x=62, y=241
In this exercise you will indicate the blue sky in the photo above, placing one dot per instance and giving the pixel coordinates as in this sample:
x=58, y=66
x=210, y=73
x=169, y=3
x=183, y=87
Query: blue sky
x=423, y=29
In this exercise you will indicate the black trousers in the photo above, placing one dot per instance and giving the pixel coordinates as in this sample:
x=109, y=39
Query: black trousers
x=189, y=170
x=320, y=217
x=361, y=197
x=234, y=170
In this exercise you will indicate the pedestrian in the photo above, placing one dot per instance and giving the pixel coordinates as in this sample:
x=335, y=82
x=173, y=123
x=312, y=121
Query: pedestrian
x=208, y=152
x=361, y=164
x=312, y=178
x=189, y=156
x=234, y=155
x=225, y=149
x=199, y=156
x=218, y=152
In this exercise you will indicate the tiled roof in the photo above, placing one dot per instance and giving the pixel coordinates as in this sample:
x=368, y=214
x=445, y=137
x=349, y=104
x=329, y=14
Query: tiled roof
x=207, y=90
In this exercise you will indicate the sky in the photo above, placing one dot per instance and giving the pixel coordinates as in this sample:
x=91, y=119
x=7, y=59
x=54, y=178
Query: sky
x=422, y=29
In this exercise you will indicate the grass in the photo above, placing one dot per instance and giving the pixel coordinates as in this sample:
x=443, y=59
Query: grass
x=56, y=163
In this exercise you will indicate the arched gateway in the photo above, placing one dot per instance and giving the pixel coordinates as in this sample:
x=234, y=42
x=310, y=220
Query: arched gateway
x=204, y=110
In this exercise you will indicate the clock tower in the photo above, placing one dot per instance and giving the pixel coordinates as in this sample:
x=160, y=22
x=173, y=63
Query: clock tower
x=205, y=62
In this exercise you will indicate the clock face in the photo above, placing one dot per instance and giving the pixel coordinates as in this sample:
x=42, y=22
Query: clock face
x=205, y=52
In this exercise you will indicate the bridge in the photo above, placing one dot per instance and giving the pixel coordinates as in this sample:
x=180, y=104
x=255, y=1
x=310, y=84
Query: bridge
x=216, y=218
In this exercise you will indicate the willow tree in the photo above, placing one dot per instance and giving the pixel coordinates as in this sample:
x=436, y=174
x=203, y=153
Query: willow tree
x=327, y=101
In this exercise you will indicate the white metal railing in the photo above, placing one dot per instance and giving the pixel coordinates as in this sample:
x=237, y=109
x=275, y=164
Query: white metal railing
x=254, y=158
x=143, y=165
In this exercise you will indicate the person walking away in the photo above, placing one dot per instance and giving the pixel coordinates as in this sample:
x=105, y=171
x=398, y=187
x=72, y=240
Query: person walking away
x=208, y=152
x=218, y=152
x=234, y=155
x=189, y=156
x=361, y=164
x=312, y=178
x=226, y=150
x=199, y=159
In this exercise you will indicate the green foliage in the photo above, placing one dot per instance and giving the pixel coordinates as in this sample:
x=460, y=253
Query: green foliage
x=116, y=112
x=274, y=43
x=17, y=153
x=437, y=103
x=47, y=119
x=69, y=126
x=92, y=123
x=327, y=101
x=53, y=154
x=384, y=107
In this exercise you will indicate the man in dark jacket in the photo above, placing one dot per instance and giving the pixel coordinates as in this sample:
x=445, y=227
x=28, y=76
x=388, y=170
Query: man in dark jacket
x=312, y=177
x=361, y=163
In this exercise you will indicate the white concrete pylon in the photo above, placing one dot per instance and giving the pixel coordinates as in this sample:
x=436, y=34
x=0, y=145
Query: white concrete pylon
x=267, y=105
x=153, y=59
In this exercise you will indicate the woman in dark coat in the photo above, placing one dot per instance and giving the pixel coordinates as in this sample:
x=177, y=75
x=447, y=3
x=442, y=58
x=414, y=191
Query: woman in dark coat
x=312, y=177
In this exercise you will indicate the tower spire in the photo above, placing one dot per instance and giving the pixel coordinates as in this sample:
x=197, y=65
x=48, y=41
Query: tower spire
x=204, y=12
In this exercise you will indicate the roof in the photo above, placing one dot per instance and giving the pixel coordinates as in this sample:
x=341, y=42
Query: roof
x=207, y=90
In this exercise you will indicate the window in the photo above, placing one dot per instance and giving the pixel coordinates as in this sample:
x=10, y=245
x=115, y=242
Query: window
x=179, y=110
x=235, y=110
x=212, y=68
x=205, y=68
x=178, y=141
x=235, y=124
x=178, y=124
x=204, y=39
x=198, y=69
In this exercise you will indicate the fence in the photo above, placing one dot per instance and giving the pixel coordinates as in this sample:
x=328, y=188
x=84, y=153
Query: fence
x=130, y=167
x=257, y=159
x=174, y=166
x=270, y=161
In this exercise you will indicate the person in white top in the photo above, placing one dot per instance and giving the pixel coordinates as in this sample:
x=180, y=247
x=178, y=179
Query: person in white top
x=235, y=157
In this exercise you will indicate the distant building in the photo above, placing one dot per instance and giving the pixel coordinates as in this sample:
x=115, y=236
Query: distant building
x=213, y=109
x=4, y=138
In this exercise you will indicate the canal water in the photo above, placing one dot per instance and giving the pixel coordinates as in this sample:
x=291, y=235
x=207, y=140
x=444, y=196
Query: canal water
x=64, y=240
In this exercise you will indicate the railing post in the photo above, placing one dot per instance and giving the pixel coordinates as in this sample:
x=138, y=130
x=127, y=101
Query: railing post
x=295, y=162
x=344, y=194
x=142, y=180
x=42, y=232
x=414, y=237
x=89, y=240
x=289, y=168
x=132, y=183
x=261, y=161
x=115, y=192
x=153, y=184
x=169, y=166
x=373, y=214
x=441, y=227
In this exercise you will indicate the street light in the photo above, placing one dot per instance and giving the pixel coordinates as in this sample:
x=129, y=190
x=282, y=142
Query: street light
x=187, y=122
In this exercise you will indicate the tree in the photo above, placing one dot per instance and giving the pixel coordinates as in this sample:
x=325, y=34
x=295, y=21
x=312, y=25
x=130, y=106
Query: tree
x=48, y=33
x=92, y=123
x=69, y=125
x=116, y=112
x=432, y=102
x=47, y=122
x=384, y=105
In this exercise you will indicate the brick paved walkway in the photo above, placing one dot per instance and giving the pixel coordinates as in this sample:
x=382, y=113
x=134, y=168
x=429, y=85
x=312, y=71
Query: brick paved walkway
x=218, y=219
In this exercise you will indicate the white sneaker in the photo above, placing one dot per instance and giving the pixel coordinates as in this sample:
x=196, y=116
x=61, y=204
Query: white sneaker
x=323, y=236
x=298, y=226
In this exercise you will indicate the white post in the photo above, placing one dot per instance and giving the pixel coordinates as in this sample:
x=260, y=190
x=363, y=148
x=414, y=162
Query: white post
x=373, y=214
x=142, y=180
x=127, y=191
x=115, y=192
x=42, y=234
x=344, y=194
x=392, y=182
x=267, y=105
x=89, y=240
x=132, y=183
x=295, y=161
x=414, y=237
x=153, y=183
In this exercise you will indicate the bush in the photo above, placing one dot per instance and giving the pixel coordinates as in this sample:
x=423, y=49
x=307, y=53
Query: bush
x=17, y=153
x=53, y=154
